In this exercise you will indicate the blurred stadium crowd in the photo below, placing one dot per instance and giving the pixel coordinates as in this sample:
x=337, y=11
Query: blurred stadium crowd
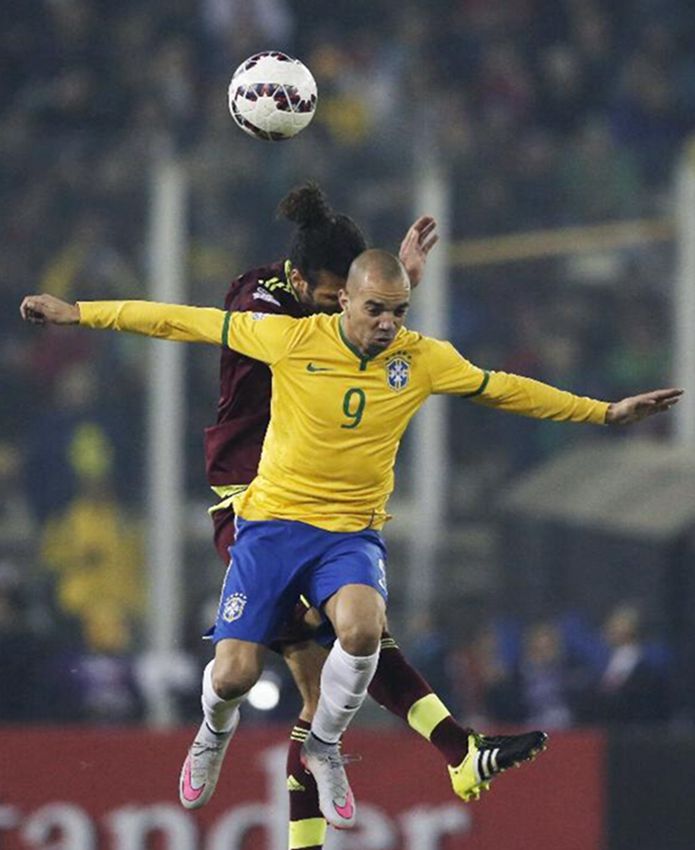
x=540, y=113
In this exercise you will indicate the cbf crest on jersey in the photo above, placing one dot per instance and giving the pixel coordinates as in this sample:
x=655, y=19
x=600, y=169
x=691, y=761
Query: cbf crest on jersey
x=233, y=607
x=398, y=371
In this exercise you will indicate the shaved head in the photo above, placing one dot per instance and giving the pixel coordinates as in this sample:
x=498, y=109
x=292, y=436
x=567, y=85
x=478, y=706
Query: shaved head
x=377, y=267
x=375, y=301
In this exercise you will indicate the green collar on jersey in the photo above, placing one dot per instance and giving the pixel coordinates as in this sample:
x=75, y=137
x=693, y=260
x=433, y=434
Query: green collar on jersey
x=363, y=358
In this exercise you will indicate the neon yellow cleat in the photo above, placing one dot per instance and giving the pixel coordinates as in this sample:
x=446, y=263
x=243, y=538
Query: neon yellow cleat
x=489, y=756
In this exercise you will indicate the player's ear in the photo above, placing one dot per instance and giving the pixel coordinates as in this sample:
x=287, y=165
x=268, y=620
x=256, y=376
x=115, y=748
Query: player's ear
x=300, y=284
x=343, y=299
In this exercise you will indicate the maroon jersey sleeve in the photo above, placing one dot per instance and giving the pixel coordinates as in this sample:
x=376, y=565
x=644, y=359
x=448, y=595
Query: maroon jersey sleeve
x=233, y=445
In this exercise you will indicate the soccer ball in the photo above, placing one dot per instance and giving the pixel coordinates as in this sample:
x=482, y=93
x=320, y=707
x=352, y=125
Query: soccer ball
x=272, y=96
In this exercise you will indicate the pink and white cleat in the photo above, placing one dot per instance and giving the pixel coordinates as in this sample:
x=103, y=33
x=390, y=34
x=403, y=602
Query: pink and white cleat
x=327, y=765
x=202, y=766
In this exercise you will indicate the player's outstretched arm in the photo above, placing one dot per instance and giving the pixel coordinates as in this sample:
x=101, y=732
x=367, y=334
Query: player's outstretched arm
x=416, y=245
x=451, y=373
x=528, y=397
x=638, y=407
x=148, y=318
x=47, y=309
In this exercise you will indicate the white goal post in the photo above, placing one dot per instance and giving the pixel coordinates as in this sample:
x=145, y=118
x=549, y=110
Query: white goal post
x=165, y=442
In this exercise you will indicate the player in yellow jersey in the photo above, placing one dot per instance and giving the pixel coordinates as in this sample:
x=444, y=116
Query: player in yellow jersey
x=344, y=390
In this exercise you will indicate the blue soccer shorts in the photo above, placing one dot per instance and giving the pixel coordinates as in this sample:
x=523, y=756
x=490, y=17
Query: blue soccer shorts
x=276, y=561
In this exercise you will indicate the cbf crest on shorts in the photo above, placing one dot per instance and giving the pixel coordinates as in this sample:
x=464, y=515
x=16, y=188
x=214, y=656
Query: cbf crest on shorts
x=233, y=607
x=398, y=371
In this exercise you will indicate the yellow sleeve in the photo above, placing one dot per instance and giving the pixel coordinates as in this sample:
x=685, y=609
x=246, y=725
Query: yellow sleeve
x=540, y=401
x=267, y=337
x=165, y=321
x=449, y=370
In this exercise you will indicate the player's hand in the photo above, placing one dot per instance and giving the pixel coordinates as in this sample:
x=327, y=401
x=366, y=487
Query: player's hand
x=49, y=310
x=416, y=245
x=640, y=406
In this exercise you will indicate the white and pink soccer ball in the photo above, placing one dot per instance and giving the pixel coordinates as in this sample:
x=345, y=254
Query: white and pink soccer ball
x=272, y=96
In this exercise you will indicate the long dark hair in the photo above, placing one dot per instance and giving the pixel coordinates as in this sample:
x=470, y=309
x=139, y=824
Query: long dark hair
x=323, y=240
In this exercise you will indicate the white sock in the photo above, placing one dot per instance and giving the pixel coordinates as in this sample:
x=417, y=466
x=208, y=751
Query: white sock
x=220, y=715
x=344, y=682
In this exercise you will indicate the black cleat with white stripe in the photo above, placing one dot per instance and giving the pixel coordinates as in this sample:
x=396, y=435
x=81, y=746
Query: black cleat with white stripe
x=490, y=755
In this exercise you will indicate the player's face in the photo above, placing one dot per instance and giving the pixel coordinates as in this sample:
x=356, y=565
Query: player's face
x=321, y=298
x=374, y=313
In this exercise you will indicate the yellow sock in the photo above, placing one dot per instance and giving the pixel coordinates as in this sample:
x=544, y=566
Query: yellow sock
x=427, y=713
x=310, y=832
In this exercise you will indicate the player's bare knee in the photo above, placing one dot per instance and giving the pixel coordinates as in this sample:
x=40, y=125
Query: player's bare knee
x=361, y=638
x=358, y=614
x=233, y=679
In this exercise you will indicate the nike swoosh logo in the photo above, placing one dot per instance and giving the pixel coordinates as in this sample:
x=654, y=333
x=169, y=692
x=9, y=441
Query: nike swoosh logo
x=347, y=810
x=189, y=792
x=311, y=368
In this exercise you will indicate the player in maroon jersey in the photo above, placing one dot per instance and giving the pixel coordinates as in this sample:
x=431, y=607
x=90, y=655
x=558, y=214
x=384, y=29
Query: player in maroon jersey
x=322, y=250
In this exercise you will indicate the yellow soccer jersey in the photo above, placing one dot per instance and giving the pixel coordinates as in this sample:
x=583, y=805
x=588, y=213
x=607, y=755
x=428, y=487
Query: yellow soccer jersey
x=337, y=417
